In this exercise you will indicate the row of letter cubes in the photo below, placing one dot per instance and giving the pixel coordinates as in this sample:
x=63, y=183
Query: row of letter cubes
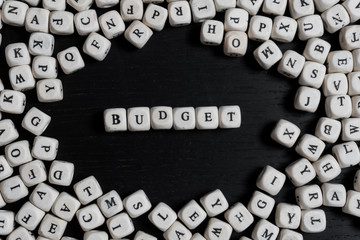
x=180, y=118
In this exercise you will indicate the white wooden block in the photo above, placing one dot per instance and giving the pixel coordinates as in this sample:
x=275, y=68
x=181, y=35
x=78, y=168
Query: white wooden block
x=339, y=106
x=212, y=32
x=65, y=206
x=251, y=6
x=18, y=153
x=284, y=28
x=223, y=5
x=285, y=133
x=54, y=5
x=49, y=90
x=162, y=216
x=9, y=132
x=352, y=7
x=96, y=235
x=138, y=119
x=202, y=10
x=287, y=216
x=17, y=54
x=335, y=84
x=120, y=225
x=267, y=54
x=217, y=229
x=317, y=50
x=214, y=203
x=349, y=37
x=207, y=118
x=357, y=181
x=37, y=20
x=161, y=117
x=110, y=204
x=96, y=46
x=239, y=217
x=347, y=154
x=309, y=196
x=13, y=189
x=115, y=119
x=61, y=173
x=334, y=195
x=300, y=172
x=87, y=190
x=5, y=169
x=286, y=234
x=43, y=196
x=356, y=59
x=131, y=10
x=111, y=24
x=335, y=18
x=197, y=236
x=235, y=44
x=36, y=121
x=155, y=17
x=274, y=7
x=192, y=214
x=327, y=168
x=138, y=34
x=229, y=116
x=322, y=5
x=21, y=78
x=61, y=23
x=236, y=19
x=70, y=60
x=21, y=233
x=260, y=28
x=265, y=230
x=33, y=173
x=310, y=147
x=176, y=230
x=313, y=74
x=355, y=100
x=86, y=22
x=137, y=203
x=245, y=238
x=310, y=27
x=301, y=8
x=29, y=216
x=261, y=205
x=352, y=205
x=271, y=180
x=291, y=64
x=44, y=67
x=68, y=238
x=80, y=5
x=140, y=235
x=106, y=3
x=14, y=12
x=52, y=227
x=350, y=129
x=179, y=13
x=90, y=217
x=7, y=222
x=340, y=61
x=41, y=238
x=313, y=221
x=41, y=44
x=184, y=118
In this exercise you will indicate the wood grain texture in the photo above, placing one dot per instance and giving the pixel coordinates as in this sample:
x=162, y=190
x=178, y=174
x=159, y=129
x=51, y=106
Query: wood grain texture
x=174, y=69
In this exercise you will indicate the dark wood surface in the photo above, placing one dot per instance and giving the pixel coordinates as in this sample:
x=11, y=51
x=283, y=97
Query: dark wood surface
x=175, y=69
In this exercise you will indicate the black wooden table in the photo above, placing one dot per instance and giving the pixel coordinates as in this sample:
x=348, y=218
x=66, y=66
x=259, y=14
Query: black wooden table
x=175, y=69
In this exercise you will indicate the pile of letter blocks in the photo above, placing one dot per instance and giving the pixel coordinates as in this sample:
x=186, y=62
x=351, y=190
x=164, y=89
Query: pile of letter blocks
x=320, y=71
